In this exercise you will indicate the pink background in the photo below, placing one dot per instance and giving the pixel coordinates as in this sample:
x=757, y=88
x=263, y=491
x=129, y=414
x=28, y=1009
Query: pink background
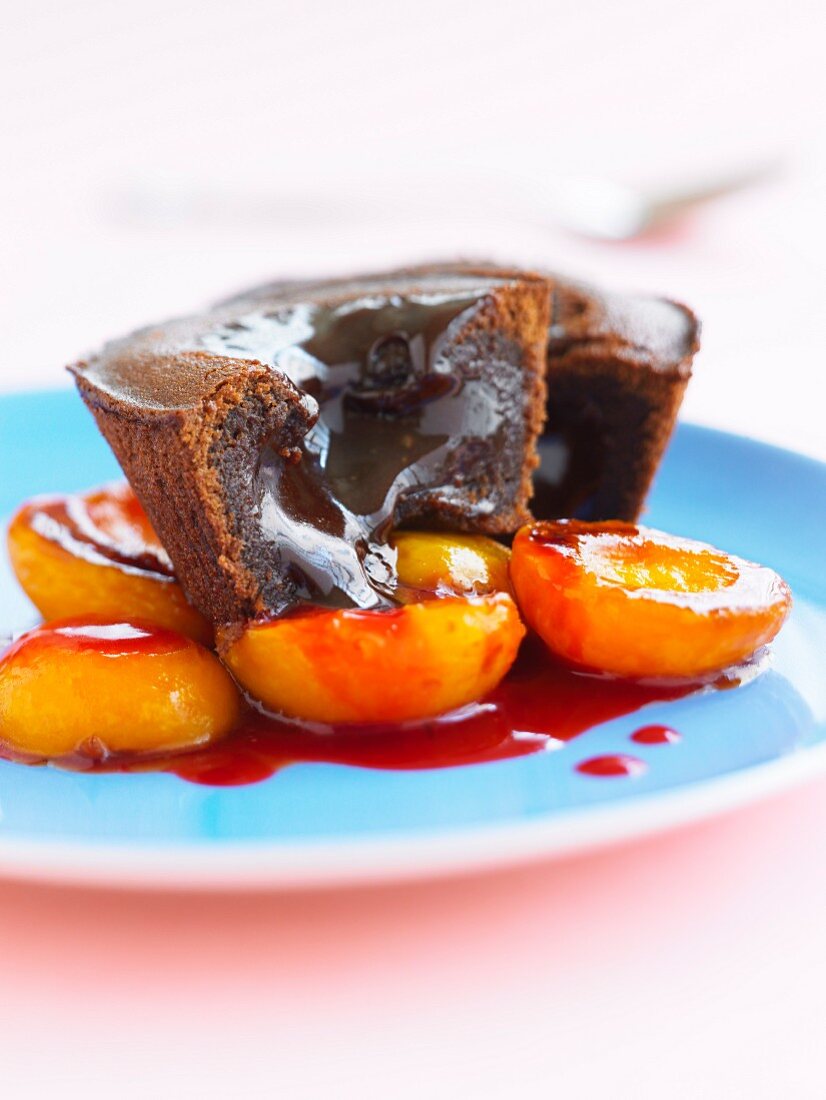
x=160, y=155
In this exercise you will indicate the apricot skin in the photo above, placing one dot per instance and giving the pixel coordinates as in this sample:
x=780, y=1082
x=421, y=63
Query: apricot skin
x=64, y=575
x=412, y=662
x=431, y=563
x=91, y=688
x=639, y=603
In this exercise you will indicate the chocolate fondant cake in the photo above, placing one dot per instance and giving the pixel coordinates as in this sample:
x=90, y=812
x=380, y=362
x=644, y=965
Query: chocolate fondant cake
x=275, y=440
x=618, y=366
x=617, y=370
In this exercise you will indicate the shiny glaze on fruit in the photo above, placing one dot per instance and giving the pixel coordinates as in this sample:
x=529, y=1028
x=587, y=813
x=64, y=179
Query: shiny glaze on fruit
x=357, y=666
x=637, y=602
x=90, y=688
x=105, y=525
x=107, y=639
x=95, y=553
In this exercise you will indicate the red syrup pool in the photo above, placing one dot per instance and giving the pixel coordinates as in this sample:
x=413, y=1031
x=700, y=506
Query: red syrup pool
x=656, y=735
x=539, y=706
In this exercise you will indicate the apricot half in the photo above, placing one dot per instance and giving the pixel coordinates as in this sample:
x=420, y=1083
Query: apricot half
x=431, y=563
x=640, y=603
x=410, y=662
x=91, y=687
x=96, y=553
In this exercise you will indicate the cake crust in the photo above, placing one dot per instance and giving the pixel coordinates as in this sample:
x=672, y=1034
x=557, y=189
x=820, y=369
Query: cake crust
x=238, y=429
x=617, y=369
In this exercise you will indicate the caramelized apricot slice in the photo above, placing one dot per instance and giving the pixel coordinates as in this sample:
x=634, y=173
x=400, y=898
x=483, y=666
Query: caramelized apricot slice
x=637, y=602
x=410, y=662
x=90, y=687
x=430, y=563
x=96, y=553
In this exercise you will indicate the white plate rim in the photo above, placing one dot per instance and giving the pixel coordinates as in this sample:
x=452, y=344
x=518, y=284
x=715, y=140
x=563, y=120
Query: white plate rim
x=310, y=865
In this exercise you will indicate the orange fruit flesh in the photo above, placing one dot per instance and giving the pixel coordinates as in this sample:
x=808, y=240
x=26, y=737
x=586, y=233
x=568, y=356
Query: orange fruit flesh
x=640, y=603
x=96, y=553
x=92, y=688
x=612, y=597
x=411, y=662
x=430, y=563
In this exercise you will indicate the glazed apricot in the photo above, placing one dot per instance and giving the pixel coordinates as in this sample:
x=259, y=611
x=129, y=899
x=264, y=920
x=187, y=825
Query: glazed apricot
x=410, y=662
x=96, y=553
x=640, y=603
x=432, y=563
x=92, y=688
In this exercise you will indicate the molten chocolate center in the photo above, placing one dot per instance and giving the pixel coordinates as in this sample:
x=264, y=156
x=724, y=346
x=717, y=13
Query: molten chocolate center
x=392, y=410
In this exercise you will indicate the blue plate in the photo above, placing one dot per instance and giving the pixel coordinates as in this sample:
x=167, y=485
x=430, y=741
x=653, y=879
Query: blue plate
x=323, y=824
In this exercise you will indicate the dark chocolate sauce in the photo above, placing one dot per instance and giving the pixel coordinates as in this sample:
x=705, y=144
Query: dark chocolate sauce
x=391, y=409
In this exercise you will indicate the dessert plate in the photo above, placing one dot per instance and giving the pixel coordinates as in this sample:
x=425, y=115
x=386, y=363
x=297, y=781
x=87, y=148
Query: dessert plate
x=325, y=824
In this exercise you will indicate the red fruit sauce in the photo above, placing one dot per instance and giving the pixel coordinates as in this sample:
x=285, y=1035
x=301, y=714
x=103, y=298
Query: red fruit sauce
x=539, y=706
x=613, y=765
x=656, y=735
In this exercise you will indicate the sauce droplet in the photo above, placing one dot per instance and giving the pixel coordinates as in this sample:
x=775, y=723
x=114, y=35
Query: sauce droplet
x=656, y=735
x=613, y=765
